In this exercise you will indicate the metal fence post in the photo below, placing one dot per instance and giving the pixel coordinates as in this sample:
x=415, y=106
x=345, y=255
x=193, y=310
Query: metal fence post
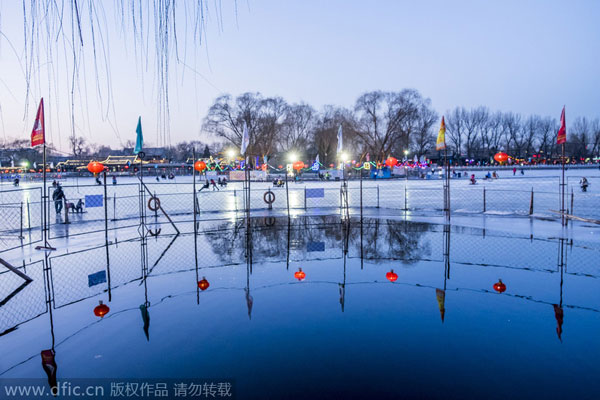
x=21, y=234
x=531, y=203
x=405, y=199
x=361, y=193
x=235, y=199
x=287, y=196
x=105, y=211
x=28, y=216
x=114, y=206
x=305, y=198
x=572, y=198
x=66, y=211
x=377, y=195
x=484, y=205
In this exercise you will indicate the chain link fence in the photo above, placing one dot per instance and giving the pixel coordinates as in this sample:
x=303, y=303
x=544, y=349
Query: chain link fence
x=21, y=217
x=88, y=209
x=21, y=301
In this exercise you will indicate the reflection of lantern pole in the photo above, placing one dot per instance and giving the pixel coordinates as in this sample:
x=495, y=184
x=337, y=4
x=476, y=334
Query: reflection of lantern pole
x=361, y=220
x=144, y=307
x=562, y=187
x=194, y=187
x=558, y=310
x=48, y=356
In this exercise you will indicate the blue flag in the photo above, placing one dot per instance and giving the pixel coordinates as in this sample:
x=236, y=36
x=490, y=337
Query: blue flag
x=139, y=141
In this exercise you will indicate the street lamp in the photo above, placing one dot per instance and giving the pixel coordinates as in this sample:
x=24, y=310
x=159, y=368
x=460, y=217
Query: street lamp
x=344, y=157
x=292, y=157
x=231, y=154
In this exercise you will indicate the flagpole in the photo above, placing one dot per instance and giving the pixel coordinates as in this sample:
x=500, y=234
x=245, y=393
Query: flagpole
x=562, y=187
x=46, y=245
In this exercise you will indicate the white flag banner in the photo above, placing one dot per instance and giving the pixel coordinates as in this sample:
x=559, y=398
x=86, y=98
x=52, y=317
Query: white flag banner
x=317, y=159
x=245, y=140
x=339, y=139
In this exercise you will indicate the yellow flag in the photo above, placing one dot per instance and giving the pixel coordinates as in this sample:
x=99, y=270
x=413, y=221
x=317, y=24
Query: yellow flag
x=441, y=139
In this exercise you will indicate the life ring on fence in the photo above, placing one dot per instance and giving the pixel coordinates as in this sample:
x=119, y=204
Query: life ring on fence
x=269, y=221
x=269, y=197
x=153, y=203
x=154, y=233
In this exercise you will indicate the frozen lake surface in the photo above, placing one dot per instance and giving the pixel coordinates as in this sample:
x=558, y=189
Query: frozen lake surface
x=492, y=315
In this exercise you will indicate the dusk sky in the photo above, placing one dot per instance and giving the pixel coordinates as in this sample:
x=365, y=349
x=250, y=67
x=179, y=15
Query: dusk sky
x=522, y=56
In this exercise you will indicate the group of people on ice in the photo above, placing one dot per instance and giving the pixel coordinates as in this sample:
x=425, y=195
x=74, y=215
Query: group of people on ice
x=220, y=182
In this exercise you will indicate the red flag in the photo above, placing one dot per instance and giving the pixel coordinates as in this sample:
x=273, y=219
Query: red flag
x=38, y=133
x=562, y=132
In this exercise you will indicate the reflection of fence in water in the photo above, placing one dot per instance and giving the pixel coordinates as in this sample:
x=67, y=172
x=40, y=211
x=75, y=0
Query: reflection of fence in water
x=77, y=276
x=83, y=274
x=20, y=216
x=376, y=240
x=21, y=302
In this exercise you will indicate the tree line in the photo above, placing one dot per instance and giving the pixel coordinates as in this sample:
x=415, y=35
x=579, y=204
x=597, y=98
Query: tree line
x=381, y=123
x=384, y=123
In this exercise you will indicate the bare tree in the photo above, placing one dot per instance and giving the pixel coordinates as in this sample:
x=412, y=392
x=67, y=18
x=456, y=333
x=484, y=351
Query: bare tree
x=595, y=134
x=512, y=125
x=455, y=129
x=263, y=116
x=384, y=120
x=493, y=137
x=297, y=126
x=324, y=142
x=78, y=146
x=474, y=123
x=547, y=128
x=423, y=137
x=580, y=137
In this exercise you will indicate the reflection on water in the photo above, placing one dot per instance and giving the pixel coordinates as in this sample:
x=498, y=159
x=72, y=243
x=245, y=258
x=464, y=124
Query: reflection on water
x=346, y=304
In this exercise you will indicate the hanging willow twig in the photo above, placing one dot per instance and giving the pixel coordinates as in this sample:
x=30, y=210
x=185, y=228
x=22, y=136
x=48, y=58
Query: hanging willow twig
x=65, y=35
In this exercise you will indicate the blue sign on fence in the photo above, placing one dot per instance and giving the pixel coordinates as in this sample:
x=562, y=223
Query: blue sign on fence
x=96, y=278
x=315, y=193
x=94, y=200
x=315, y=246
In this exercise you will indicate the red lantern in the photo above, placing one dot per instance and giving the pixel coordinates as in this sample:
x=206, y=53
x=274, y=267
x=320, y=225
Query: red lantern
x=280, y=166
x=300, y=275
x=101, y=310
x=499, y=286
x=391, y=161
x=203, y=284
x=391, y=276
x=199, y=166
x=95, y=167
x=501, y=157
x=330, y=165
x=298, y=165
